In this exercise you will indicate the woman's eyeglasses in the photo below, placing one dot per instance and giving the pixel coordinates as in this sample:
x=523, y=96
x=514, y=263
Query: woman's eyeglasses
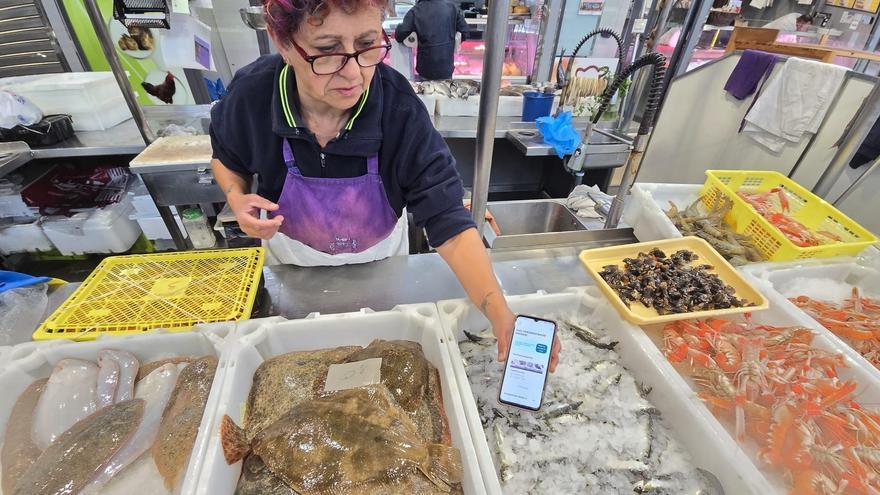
x=331, y=63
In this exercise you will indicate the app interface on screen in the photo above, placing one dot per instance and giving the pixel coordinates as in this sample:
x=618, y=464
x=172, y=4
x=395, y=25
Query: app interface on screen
x=527, y=364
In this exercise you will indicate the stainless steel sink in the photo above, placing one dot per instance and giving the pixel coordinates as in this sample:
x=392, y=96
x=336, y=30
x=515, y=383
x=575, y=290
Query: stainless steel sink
x=536, y=217
x=533, y=224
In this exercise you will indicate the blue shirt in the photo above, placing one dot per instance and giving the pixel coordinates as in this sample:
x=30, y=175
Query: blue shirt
x=416, y=166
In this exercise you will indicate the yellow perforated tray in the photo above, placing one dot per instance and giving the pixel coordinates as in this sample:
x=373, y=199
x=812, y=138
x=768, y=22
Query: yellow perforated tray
x=595, y=259
x=133, y=294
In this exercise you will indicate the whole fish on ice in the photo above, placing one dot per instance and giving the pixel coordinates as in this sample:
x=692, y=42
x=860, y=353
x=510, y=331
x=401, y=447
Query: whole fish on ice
x=70, y=395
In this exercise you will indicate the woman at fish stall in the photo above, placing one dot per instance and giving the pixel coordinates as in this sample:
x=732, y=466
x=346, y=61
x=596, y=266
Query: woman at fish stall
x=342, y=148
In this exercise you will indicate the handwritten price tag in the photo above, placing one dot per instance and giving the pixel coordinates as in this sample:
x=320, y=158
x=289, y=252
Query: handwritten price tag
x=352, y=375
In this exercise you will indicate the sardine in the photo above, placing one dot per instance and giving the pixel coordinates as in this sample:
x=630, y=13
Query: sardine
x=590, y=337
x=181, y=419
x=19, y=450
x=484, y=338
x=70, y=395
x=155, y=390
x=558, y=409
x=72, y=460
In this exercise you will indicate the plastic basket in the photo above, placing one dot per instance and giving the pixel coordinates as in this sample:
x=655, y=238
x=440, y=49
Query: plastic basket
x=807, y=208
x=134, y=294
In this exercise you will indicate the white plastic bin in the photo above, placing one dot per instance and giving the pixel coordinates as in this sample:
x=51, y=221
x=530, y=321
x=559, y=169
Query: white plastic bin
x=691, y=423
x=646, y=207
x=24, y=363
x=154, y=227
x=24, y=238
x=843, y=270
x=430, y=102
x=92, y=99
x=102, y=230
x=258, y=340
x=508, y=106
x=783, y=314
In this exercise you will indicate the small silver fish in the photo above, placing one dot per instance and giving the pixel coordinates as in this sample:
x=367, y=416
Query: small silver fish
x=484, y=338
x=558, y=409
x=590, y=337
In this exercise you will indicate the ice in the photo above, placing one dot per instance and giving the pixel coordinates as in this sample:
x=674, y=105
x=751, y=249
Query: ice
x=614, y=442
x=822, y=289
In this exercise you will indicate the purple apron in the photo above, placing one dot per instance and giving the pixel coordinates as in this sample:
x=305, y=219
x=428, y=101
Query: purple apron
x=334, y=215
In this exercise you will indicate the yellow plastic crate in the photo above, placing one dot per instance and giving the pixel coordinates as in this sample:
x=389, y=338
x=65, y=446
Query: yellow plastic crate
x=133, y=294
x=805, y=207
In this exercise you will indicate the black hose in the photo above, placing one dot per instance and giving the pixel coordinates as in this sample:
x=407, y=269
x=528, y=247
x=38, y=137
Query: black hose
x=653, y=59
x=606, y=32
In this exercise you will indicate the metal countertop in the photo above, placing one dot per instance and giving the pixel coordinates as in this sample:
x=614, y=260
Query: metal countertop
x=294, y=292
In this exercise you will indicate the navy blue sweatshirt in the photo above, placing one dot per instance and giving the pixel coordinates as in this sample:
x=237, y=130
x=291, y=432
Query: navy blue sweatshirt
x=417, y=169
x=435, y=22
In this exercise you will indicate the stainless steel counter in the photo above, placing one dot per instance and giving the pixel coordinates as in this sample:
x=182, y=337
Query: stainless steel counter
x=122, y=139
x=294, y=292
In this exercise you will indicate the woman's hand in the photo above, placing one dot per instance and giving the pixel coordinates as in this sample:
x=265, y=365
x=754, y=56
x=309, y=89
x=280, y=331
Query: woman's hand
x=247, y=212
x=502, y=327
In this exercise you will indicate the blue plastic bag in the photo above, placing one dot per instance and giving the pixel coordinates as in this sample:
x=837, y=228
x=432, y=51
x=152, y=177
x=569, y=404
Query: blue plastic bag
x=559, y=133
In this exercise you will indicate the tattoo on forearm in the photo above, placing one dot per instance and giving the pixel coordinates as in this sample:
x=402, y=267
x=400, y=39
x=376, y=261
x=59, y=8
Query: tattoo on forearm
x=485, y=304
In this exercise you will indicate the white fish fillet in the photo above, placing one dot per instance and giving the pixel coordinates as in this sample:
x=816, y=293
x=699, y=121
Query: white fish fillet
x=155, y=389
x=108, y=380
x=142, y=476
x=70, y=395
x=128, y=370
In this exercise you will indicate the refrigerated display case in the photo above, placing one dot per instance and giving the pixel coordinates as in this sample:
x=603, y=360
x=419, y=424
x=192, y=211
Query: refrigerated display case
x=520, y=46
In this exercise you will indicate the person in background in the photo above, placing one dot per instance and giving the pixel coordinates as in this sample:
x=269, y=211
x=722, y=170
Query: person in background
x=791, y=23
x=435, y=23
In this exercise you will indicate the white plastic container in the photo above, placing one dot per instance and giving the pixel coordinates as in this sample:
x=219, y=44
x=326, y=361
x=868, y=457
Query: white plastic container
x=845, y=271
x=646, y=207
x=430, y=102
x=154, y=227
x=691, y=423
x=102, y=230
x=782, y=314
x=30, y=361
x=258, y=340
x=24, y=238
x=456, y=107
x=201, y=234
x=92, y=99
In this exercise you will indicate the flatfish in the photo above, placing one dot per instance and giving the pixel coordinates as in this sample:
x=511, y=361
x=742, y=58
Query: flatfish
x=352, y=441
x=284, y=381
x=70, y=395
x=181, y=419
x=148, y=368
x=155, y=390
x=19, y=451
x=79, y=454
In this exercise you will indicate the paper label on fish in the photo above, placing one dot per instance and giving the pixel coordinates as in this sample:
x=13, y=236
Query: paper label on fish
x=351, y=375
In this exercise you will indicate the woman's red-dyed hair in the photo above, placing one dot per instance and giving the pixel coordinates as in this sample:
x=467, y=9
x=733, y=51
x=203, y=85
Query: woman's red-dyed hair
x=284, y=17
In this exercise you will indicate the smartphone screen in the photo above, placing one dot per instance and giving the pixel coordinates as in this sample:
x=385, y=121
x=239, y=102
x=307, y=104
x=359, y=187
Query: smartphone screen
x=525, y=372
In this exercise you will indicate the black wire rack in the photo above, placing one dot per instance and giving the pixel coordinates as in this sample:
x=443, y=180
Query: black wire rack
x=127, y=12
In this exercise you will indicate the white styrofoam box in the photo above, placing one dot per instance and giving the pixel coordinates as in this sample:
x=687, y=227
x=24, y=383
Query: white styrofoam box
x=781, y=313
x=11, y=204
x=844, y=270
x=646, y=207
x=24, y=238
x=456, y=107
x=430, y=102
x=154, y=227
x=31, y=361
x=101, y=230
x=92, y=99
x=258, y=340
x=710, y=447
x=510, y=106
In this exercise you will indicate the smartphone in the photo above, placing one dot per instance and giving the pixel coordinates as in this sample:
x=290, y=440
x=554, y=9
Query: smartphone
x=525, y=372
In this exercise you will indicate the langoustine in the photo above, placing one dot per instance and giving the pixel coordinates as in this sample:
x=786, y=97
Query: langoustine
x=783, y=393
x=856, y=320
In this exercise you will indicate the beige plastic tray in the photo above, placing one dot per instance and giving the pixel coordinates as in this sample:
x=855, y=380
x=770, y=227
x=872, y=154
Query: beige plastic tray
x=594, y=259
